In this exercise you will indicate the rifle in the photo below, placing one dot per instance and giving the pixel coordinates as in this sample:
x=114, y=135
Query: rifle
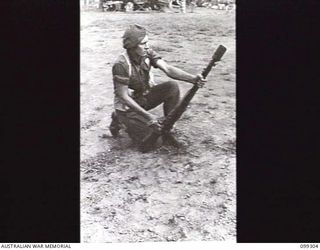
x=167, y=124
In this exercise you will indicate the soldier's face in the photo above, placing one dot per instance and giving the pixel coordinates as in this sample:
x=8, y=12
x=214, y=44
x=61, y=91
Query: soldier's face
x=142, y=47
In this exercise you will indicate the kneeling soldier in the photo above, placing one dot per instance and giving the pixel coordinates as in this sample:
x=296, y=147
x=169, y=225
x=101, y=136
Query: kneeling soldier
x=134, y=90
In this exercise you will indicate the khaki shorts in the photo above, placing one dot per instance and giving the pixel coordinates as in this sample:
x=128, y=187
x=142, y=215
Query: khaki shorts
x=136, y=125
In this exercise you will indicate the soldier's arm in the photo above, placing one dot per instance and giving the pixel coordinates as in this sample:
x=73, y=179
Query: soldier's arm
x=123, y=94
x=121, y=83
x=178, y=74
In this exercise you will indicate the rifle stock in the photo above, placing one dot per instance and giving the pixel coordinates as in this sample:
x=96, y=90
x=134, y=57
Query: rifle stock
x=175, y=114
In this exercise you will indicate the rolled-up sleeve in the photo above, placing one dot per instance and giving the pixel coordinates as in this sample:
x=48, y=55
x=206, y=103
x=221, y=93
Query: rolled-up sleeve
x=120, y=74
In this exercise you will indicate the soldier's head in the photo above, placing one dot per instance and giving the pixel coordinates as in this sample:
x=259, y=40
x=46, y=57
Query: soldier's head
x=135, y=39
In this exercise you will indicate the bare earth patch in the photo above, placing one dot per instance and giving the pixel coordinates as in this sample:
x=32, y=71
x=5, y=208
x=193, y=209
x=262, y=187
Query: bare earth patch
x=168, y=194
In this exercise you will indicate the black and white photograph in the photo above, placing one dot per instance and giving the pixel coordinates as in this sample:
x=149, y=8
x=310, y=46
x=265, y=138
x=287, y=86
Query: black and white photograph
x=158, y=121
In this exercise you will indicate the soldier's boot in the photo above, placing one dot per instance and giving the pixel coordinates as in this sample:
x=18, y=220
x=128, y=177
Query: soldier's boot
x=115, y=125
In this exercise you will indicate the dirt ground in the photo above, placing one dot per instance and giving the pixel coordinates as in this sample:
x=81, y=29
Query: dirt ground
x=186, y=194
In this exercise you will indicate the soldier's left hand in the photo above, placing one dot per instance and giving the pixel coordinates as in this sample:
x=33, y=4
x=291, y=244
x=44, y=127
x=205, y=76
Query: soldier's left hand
x=200, y=81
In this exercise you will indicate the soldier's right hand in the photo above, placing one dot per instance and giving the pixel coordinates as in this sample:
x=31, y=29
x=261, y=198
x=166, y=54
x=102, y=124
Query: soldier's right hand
x=156, y=127
x=154, y=123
